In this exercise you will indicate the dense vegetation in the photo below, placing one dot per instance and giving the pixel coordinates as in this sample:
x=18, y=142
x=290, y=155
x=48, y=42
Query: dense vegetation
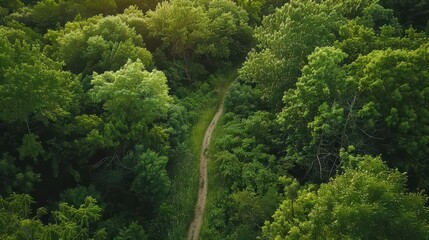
x=103, y=105
x=329, y=106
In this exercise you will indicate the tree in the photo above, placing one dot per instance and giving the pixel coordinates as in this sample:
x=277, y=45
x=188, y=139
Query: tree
x=182, y=37
x=368, y=201
x=315, y=113
x=349, y=8
x=16, y=178
x=285, y=38
x=133, y=231
x=33, y=86
x=143, y=5
x=6, y=7
x=34, y=93
x=232, y=36
x=16, y=31
x=393, y=87
x=134, y=99
x=409, y=12
x=366, y=102
x=46, y=15
x=97, y=44
x=200, y=34
x=151, y=183
x=70, y=222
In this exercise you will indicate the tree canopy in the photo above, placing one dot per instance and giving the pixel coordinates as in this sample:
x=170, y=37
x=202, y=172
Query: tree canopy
x=104, y=104
x=359, y=204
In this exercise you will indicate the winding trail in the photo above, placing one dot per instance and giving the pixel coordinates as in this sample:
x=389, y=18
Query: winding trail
x=197, y=222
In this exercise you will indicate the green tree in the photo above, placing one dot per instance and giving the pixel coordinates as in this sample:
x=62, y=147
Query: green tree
x=133, y=231
x=6, y=7
x=134, y=100
x=35, y=94
x=285, y=39
x=368, y=201
x=349, y=8
x=151, y=182
x=183, y=28
x=315, y=113
x=97, y=44
x=32, y=85
x=16, y=178
x=51, y=14
x=368, y=103
x=16, y=31
x=393, y=85
x=200, y=34
x=70, y=222
x=232, y=36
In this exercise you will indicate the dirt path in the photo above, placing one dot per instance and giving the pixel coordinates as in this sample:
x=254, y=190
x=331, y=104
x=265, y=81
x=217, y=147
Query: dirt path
x=197, y=222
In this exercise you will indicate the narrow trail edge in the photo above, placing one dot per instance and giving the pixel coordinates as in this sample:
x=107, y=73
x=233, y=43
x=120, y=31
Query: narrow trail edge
x=195, y=227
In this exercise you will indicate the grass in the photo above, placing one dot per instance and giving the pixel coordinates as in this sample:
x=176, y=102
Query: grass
x=214, y=185
x=186, y=173
x=185, y=181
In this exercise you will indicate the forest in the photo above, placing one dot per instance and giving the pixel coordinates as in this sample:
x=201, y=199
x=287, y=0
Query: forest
x=104, y=105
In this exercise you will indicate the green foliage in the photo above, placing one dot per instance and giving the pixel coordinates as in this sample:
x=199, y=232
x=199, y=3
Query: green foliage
x=401, y=75
x=51, y=14
x=45, y=14
x=284, y=47
x=200, y=34
x=349, y=8
x=16, y=178
x=30, y=147
x=35, y=94
x=15, y=31
x=368, y=201
x=151, y=182
x=349, y=74
x=70, y=222
x=313, y=108
x=33, y=86
x=87, y=213
x=75, y=196
x=133, y=99
x=133, y=231
x=246, y=171
x=180, y=36
x=98, y=44
x=336, y=105
x=231, y=33
x=7, y=7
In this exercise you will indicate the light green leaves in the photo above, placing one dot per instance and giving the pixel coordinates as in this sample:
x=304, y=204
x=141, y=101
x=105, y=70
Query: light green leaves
x=367, y=202
x=286, y=38
x=98, y=44
x=70, y=222
x=198, y=33
x=179, y=33
x=133, y=98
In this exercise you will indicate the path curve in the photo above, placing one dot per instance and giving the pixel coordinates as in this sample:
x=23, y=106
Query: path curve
x=197, y=222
